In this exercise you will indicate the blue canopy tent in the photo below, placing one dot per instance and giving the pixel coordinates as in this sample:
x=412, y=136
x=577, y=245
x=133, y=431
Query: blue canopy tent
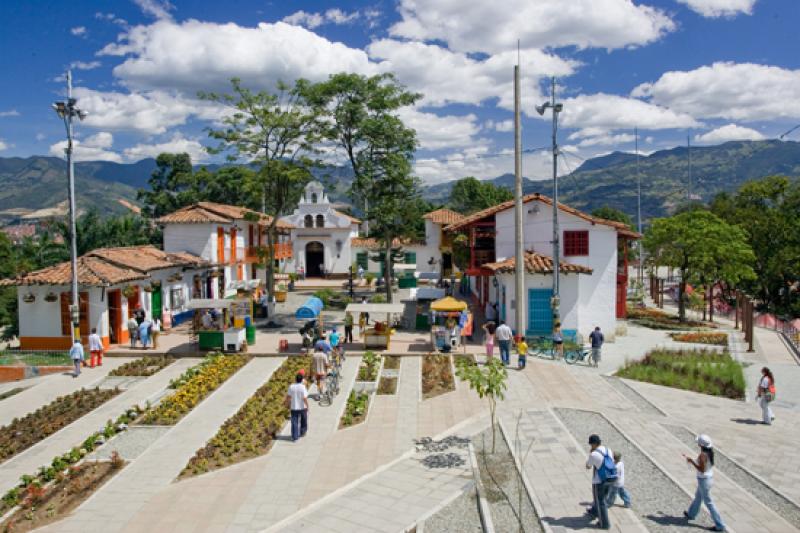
x=310, y=309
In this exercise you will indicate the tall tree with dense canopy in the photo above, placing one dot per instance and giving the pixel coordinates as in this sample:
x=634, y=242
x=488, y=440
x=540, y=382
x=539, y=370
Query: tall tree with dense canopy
x=172, y=186
x=277, y=133
x=469, y=195
x=365, y=125
x=612, y=213
x=703, y=247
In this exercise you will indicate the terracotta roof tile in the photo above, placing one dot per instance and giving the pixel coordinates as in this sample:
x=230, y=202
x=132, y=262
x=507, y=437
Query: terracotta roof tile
x=373, y=244
x=621, y=227
x=536, y=264
x=444, y=216
x=146, y=258
x=205, y=212
x=353, y=219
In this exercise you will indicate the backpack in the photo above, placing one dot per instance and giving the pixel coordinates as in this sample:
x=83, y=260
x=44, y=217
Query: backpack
x=607, y=470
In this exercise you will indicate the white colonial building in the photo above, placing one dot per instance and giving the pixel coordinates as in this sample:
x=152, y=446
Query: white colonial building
x=593, y=282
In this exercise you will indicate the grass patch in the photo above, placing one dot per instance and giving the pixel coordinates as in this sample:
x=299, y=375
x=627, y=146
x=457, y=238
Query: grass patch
x=18, y=358
x=12, y=392
x=705, y=371
x=251, y=431
x=356, y=409
x=144, y=367
x=716, y=338
x=370, y=364
x=387, y=385
x=437, y=375
x=392, y=362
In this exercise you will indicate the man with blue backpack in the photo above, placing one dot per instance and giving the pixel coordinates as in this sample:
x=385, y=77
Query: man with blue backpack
x=601, y=460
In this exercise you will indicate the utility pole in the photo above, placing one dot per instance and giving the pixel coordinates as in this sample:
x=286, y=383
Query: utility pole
x=640, y=270
x=67, y=111
x=519, y=252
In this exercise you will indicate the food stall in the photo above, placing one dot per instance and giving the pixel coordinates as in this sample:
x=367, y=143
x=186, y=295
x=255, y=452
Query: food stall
x=212, y=323
x=378, y=336
x=450, y=322
x=311, y=310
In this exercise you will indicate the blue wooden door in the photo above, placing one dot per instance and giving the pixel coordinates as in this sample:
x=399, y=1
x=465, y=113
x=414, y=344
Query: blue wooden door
x=540, y=315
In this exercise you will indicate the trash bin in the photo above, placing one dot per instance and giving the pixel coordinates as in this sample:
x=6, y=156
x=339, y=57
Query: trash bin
x=250, y=335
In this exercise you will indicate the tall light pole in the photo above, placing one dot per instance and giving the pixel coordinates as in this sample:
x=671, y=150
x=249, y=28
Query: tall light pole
x=640, y=272
x=67, y=111
x=557, y=108
x=519, y=252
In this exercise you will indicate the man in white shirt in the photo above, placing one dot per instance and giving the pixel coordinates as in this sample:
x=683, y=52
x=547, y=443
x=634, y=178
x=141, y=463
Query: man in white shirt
x=297, y=402
x=76, y=354
x=95, y=349
x=600, y=488
x=503, y=335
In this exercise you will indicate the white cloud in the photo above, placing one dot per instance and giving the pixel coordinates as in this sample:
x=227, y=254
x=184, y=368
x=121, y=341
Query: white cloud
x=720, y=8
x=491, y=27
x=111, y=17
x=177, y=144
x=3, y=145
x=435, y=132
x=41, y=136
x=159, y=9
x=94, y=148
x=314, y=20
x=729, y=132
x=78, y=31
x=82, y=65
x=732, y=91
x=499, y=125
x=476, y=161
x=194, y=55
x=9, y=113
x=589, y=138
x=605, y=112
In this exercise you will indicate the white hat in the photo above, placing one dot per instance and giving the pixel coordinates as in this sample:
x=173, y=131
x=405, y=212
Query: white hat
x=704, y=441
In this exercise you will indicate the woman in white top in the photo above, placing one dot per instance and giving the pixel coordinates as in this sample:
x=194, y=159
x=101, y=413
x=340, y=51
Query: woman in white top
x=704, y=464
x=765, y=394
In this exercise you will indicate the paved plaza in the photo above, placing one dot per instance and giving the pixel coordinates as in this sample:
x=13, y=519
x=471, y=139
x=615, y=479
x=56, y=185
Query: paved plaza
x=374, y=477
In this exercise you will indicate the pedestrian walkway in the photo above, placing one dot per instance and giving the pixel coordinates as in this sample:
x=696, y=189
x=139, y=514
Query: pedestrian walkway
x=41, y=391
x=29, y=461
x=126, y=494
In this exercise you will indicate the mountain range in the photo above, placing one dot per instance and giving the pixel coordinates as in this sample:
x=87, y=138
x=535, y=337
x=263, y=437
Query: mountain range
x=38, y=182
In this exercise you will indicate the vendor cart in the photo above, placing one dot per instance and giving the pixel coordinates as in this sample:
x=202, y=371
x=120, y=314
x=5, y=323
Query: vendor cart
x=213, y=325
x=378, y=336
x=450, y=322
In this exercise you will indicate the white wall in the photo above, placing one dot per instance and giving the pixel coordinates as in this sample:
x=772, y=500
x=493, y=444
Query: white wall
x=198, y=239
x=40, y=318
x=570, y=308
x=328, y=237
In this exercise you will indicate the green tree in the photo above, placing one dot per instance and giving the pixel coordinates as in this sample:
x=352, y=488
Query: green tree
x=701, y=246
x=612, y=213
x=9, y=268
x=489, y=382
x=365, y=125
x=95, y=231
x=470, y=195
x=277, y=134
x=172, y=186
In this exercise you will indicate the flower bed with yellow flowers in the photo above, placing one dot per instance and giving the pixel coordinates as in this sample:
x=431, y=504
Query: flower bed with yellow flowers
x=702, y=337
x=251, y=431
x=203, y=380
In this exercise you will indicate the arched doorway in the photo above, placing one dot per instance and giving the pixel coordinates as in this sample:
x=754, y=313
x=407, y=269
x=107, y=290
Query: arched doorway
x=315, y=257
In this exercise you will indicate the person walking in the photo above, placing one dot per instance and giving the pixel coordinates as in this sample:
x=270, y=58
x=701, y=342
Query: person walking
x=133, y=331
x=765, y=394
x=360, y=273
x=156, y=332
x=139, y=315
x=704, y=464
x=522, y=353
x=362, y=324
x=558, y=342
x=320, y=363
x=604, y=476
x=619, y=484
x=597, y=339
x=95, y=349
x=348, y=327
x=144, y=333
x=503, y=335
x=488, y=335
x=333, y=338
x=297, y=402
x=364, y=313
x=76, y=354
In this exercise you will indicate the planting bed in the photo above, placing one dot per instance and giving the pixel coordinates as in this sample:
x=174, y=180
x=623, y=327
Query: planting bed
x=704, y=371
x=437, y=375
x=391, y=362
x=10, y=393
x=144, y=367
x=387, y=385
x=717, y=338
x=356, y=409
x=370, y=364
x=17, y=358
x=43, y=505
x=251, y=431
x=658, y=319
x=193, y=387
x=22, y=433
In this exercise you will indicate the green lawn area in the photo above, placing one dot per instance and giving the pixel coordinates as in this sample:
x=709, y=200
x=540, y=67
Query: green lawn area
x=705, y=371
x=35, y=358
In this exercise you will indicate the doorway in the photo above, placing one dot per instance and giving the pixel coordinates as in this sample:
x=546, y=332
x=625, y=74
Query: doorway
x=156, y=304
x=115, y=316
x=540, y=312
x=315, y=258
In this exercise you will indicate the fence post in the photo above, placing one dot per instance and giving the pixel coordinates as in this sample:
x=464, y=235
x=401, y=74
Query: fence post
x=750, y=320
x=736, y=308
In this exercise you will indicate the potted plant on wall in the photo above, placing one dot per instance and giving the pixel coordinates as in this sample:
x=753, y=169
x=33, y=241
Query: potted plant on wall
x=129, y=291
x=280, y=293
x=29, y=298
x=51, y=297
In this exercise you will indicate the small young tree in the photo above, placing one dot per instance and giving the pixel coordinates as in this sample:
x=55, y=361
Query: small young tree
x=489, y=382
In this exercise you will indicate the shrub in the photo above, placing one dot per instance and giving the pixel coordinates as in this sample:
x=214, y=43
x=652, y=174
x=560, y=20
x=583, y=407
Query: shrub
x=702, y=337
x=370, y=364
x=145, y=366
x=355, y=411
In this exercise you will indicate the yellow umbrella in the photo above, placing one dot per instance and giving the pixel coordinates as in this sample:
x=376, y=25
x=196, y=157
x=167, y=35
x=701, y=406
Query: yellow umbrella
x=448, y=304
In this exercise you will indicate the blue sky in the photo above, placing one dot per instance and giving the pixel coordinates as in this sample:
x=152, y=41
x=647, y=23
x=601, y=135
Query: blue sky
x=716, y=70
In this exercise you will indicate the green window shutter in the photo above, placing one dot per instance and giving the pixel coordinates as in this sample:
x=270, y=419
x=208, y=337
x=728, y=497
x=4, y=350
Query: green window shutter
x=411, y=258
x=362, y=260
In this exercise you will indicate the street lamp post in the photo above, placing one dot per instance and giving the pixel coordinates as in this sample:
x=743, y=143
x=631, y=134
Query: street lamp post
x=67, y=111
x=557, y=108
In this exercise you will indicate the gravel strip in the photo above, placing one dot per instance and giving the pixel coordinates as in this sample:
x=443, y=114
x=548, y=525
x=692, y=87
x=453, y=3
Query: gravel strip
x=499, y=475
x=459, y=515
x=641, y=403
x=783, y=507
x=131, y=443
x=657, y=501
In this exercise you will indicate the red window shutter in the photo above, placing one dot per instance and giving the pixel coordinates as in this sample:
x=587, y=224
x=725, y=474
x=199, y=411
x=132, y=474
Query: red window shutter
x=576, y=242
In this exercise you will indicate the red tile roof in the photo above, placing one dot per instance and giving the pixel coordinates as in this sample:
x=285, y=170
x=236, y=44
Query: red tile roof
x=146, y=258
x=536, y=264
x=444, y=216
x=353, y=219
x=373, y=244
x=205, y=212
x=621, y=227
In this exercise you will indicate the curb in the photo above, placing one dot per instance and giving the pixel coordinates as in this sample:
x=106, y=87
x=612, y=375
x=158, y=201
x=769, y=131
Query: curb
x=483, y=505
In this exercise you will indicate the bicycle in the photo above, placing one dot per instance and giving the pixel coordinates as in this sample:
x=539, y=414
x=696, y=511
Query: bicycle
x=543, y=347
x=577, y=353
x=331, y=387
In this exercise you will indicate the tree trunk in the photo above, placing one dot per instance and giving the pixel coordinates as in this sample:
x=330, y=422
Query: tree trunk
x=387, y=270
x=270, y=266
x=682, y=297
x=705, y=300
x=711, y=304
x=492, y=408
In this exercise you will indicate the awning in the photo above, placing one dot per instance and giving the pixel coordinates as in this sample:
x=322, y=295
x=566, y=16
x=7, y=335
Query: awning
x=310, y=309
x=448, y=304
x=376, y=308
x=208, y=303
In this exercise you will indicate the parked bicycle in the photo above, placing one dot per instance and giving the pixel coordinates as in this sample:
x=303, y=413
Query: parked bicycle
x=576, y=353
x=332, y=379
x=543, y=347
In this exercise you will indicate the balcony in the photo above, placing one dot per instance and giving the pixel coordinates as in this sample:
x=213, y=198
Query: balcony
x=283, y=250
x=482, y=256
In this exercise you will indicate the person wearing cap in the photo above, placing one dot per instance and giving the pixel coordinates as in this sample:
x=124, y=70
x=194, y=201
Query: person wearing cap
x=704, y=464
x=600, y=488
